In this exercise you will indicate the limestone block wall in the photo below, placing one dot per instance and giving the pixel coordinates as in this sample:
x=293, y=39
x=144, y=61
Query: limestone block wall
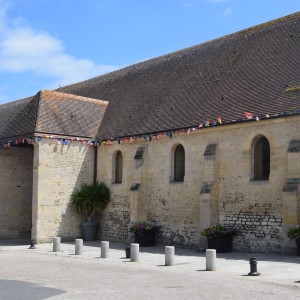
x=58, y=169
x=16, y=165
x=114, y=221
x=254, y=207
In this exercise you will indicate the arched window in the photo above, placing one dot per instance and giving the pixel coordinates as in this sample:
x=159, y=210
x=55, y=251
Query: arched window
x=179, y=163
x=261, y=152
x=118, y=167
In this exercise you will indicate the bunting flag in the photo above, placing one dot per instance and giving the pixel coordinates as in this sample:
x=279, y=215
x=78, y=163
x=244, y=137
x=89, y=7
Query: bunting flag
x=169, y=134
x=248, y=115
x=134, y=138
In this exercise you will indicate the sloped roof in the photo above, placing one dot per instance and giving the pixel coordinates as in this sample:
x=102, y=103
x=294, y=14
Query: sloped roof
x=251, y=70
x=255, y=70
x=53, y=113
x=69, y=115
x=18, y=117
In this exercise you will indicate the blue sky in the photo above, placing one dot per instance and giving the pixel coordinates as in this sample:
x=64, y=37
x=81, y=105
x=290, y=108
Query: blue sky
x=45, y=44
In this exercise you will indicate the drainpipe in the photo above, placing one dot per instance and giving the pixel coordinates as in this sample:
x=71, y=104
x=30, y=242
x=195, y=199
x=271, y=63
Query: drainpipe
x=95, y=163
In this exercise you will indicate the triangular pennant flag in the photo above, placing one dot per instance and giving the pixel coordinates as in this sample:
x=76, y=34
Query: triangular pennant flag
x=248, y=115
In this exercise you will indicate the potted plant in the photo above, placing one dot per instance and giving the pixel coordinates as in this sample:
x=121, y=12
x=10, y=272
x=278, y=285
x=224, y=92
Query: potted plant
x=90, y=199
x=219, y=237
x=294, y=233
x=144, y=233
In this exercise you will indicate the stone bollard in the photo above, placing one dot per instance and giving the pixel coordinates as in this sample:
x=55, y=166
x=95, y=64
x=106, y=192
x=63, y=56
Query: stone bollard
x=78, y=246
x=104, y=249
x=56, y=244
x=210, y=259
x=169, y=255
x=134, y=252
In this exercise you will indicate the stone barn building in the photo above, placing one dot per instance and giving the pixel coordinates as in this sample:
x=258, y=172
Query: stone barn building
x=208, y=134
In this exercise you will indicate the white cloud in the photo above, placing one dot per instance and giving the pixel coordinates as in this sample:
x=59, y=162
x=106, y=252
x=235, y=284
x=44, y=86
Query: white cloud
x=227, y=12
x=187, y=4
x=25, y=49
x=216, y=1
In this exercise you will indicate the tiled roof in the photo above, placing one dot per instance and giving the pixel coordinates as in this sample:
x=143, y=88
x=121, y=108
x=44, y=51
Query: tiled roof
x=53, y=113
x=251, y=70
x=255, y=70
x=18, y=118
x=69, y=115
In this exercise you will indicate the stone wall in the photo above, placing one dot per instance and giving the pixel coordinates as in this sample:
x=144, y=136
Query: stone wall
x=58, y=169
x=216, y=188
x=16, y=165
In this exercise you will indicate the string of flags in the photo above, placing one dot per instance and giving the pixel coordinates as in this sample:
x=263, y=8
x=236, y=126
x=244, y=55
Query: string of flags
x=37, y=139
x=135, y=138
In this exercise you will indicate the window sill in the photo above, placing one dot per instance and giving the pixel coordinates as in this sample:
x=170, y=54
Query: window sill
x=176, y=182
x=260, y=180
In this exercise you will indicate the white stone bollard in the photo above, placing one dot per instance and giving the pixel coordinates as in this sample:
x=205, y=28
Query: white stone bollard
x=56, y=244
x=134, y=252
x=78, y=247
x=169, y=255
x=104, y=249
x=210, y=259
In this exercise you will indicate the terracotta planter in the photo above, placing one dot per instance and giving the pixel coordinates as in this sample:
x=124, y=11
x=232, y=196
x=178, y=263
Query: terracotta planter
x=145, y=238
x=222, y=244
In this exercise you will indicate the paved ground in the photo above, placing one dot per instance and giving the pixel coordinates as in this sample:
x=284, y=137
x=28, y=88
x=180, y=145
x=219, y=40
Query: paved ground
x=42, y=274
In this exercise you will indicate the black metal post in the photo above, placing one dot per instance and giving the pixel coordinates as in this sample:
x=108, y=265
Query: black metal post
x=32, y=244
x=127, y=251
x=253, y=267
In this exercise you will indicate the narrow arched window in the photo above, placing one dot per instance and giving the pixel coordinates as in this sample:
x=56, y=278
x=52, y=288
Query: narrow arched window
x=261, y=159
x=118, y=167
x=179, y=163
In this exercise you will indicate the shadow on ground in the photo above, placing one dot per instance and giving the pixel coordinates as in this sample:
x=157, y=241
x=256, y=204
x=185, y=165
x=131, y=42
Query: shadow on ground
x=14, y=289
